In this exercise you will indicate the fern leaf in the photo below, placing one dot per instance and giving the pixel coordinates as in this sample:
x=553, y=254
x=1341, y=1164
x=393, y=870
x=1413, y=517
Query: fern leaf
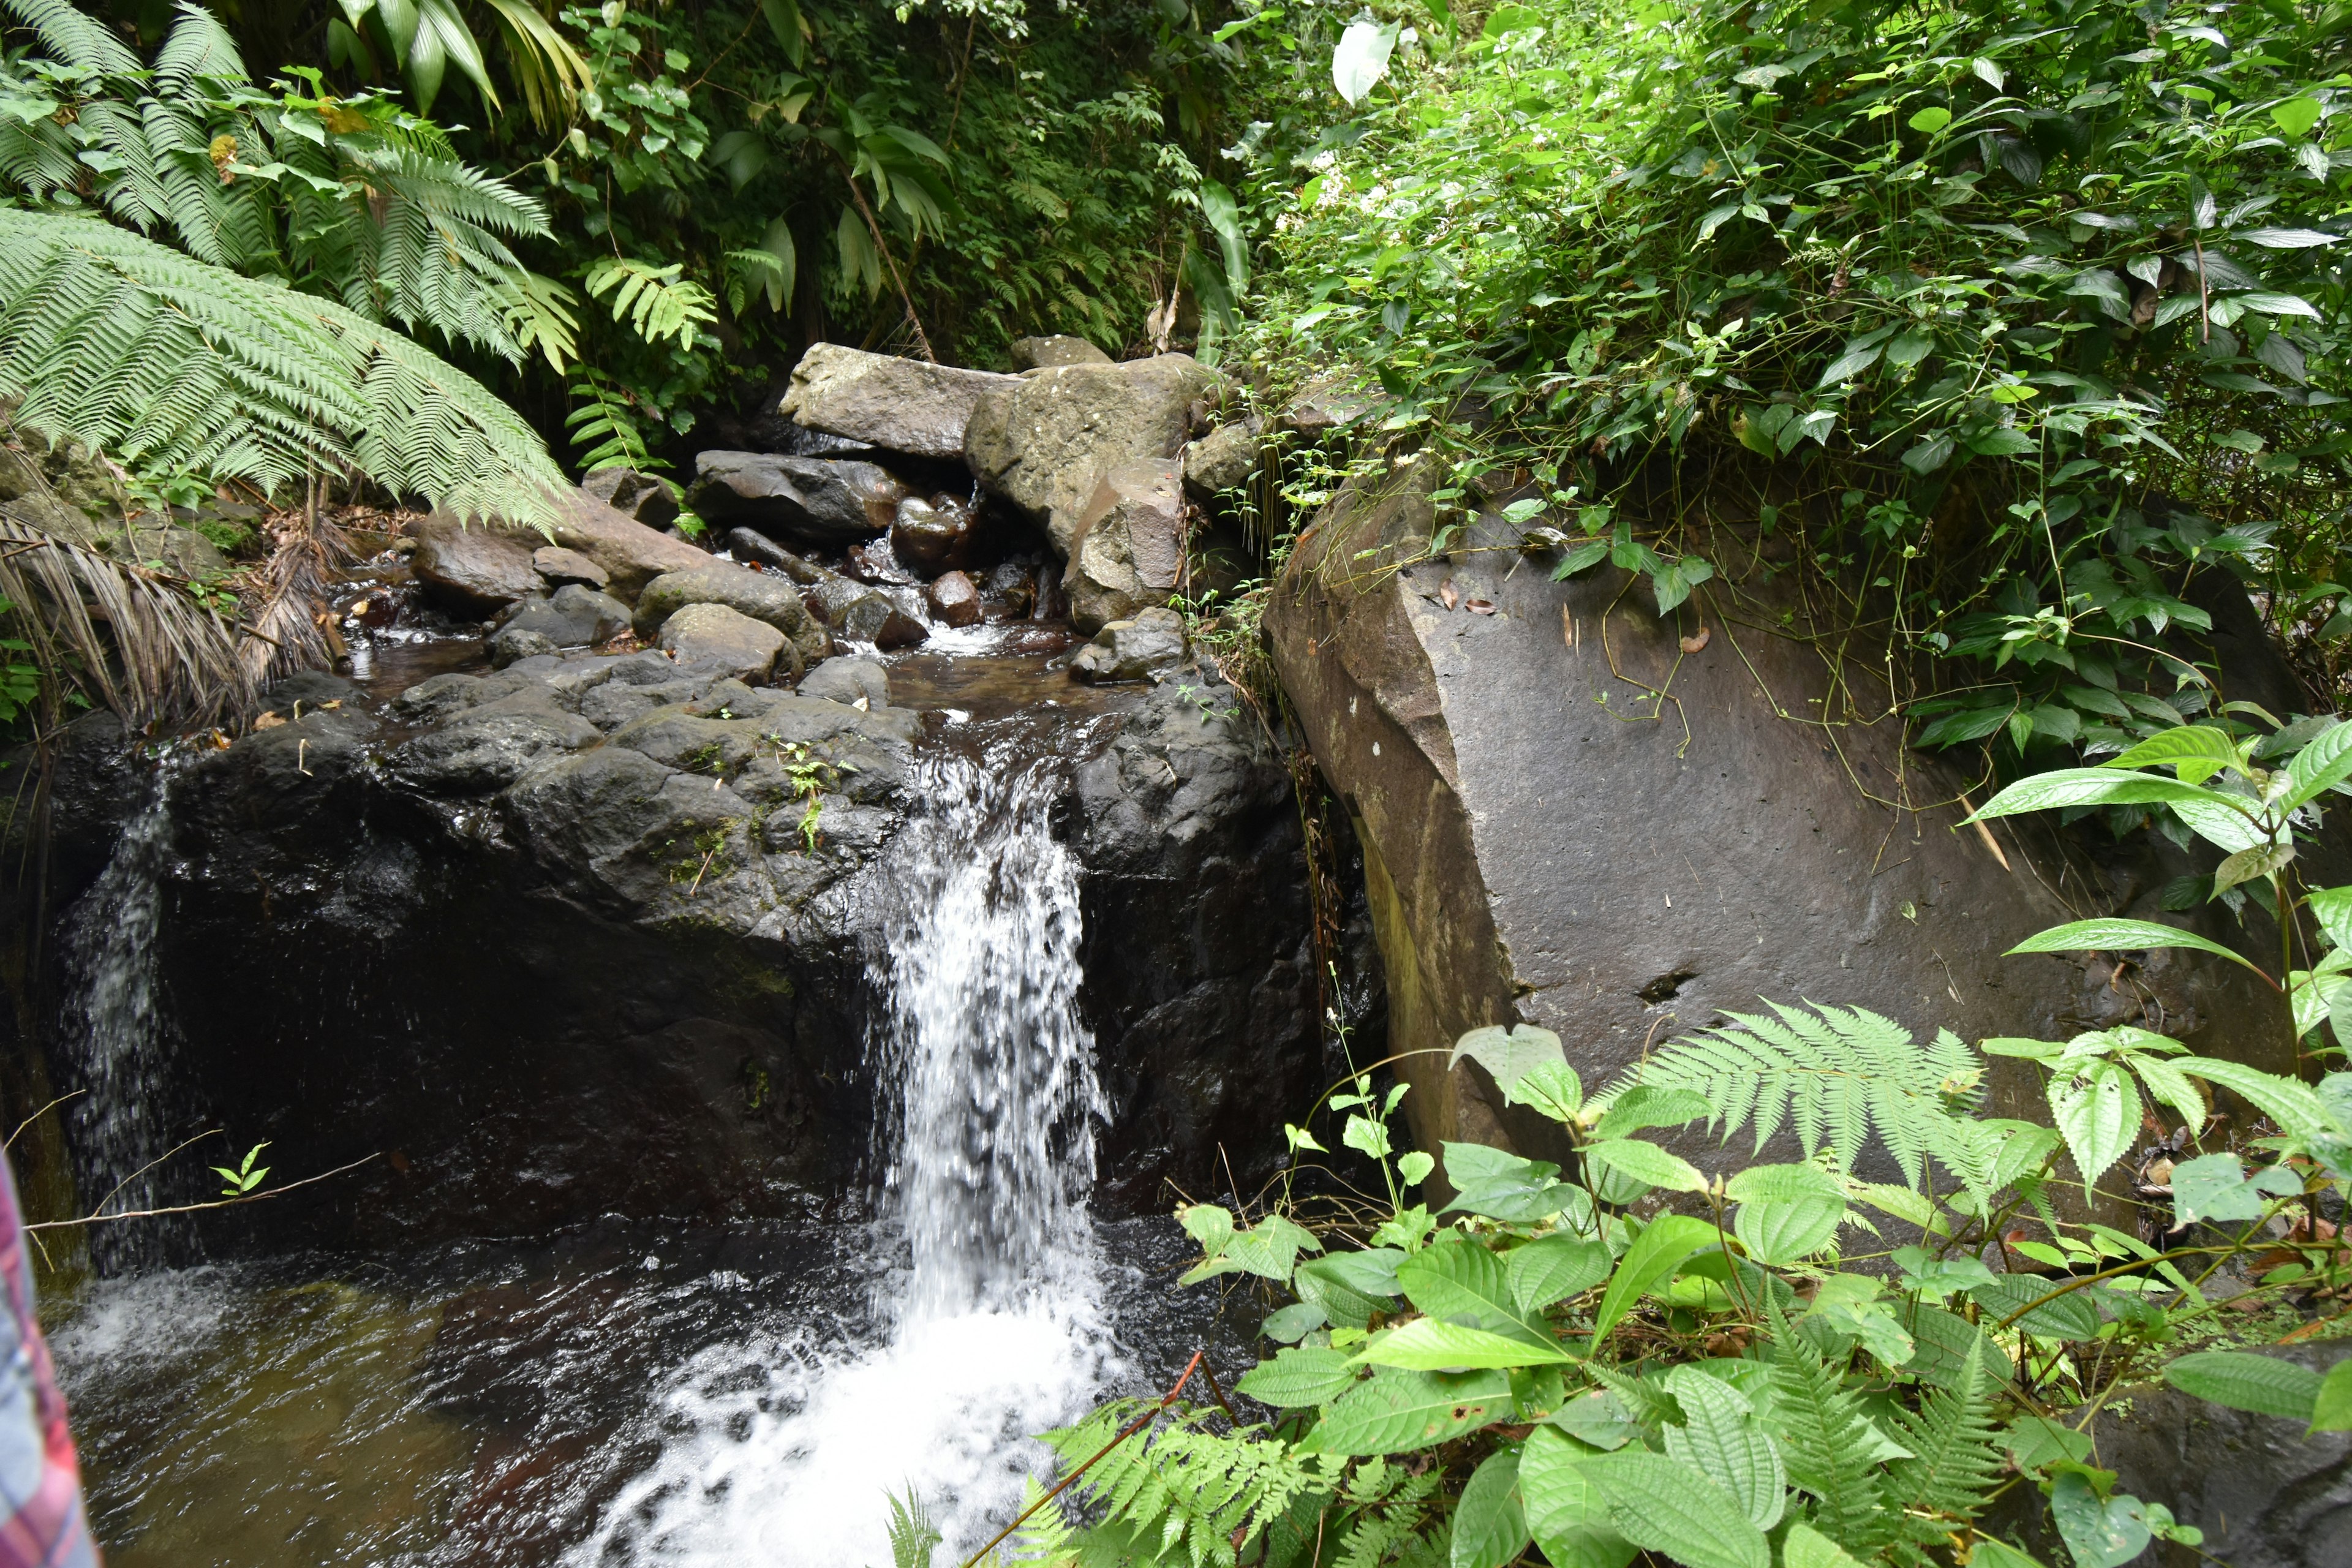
x=1956, y=1453
x=112, y=339
x=1837, y=1074
x=1827, y=1443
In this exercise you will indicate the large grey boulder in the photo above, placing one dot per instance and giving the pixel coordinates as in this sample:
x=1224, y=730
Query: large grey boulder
x=823, y=501
x=849, y=677
x=1222, y=458
x=953, y=600
x=1043, y=442
x=561, y=566
x=713, y=637
x=629, y=554
x=1149, y=647
x=902, y=405
x=641, y=496
x=487, y=747
x=1545, y=841
x=1127, y=553
x=763, y=595
x=472, y=567
x=1043, y=354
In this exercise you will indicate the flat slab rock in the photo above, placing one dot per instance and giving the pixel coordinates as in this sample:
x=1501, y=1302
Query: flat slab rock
x=901, y=404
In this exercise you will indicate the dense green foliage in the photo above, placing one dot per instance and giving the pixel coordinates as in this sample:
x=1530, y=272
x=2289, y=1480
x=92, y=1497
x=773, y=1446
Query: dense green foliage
x=2016, y=318
x=1798, y=1365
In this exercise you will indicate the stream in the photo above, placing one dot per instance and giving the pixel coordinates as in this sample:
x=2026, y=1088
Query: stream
x=627, y=1392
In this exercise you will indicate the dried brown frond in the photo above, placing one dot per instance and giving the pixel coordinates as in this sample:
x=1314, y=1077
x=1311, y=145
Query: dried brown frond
x=127, y=637
x=290, y=628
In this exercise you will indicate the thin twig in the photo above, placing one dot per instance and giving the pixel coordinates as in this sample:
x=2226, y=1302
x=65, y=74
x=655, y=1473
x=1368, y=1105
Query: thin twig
x=38, y=1115
x=193, y=1208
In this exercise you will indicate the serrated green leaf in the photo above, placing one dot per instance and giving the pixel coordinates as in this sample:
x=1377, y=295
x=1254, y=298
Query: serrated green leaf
x=1490, y=1528
x=2072, y=1316
x=1508, y=1055
x=1321, y=1285
x=1393, y=1411
x=1554, y=1267
x=2241, y=1380
x=1504, y=1186
x=2326, y=759
x=1779, y=1231
x=1552, y=1088
x=1460, y=1281
x=1645, y=1105
x=1566, y=1513
x=1805, y=1547
x=1721, y=1439
x=1654, y=1255
x=2331, y=1409
x=2098, y=1110
x=2109, y=936
x=1663, y=1505
x=1427, y=1344
x=1300, y=1377
x=2195, y=753
x=2216, y=1187
x=2291, y=1104
x=1641, y=1161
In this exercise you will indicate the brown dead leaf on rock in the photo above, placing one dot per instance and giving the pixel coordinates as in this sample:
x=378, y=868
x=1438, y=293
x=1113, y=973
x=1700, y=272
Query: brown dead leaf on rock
x=1480, y=607
x=270, y=720
x=1449, y=595
x=1697, y=640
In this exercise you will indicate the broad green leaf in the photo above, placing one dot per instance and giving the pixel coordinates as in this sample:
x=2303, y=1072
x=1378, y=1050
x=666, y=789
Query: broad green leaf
x=2108, y=935
x=1360, y=63
x=2099, y=1532
x=1779, y=1231
x=1598, y=1419
x=1300, y=1377
x=1372, y=1270
x=2288, y=238
x=1207, y=1223
x=1396, y=1410
x=2095, y=787
x=1988, y=1553
x=2216, y=1187
x=1927, y=122
x=1944, y=1340
x=2241, y=1380
x=1641, y=1161
x=2098, y=1111
x=1323, y=1286
x=1490, y=1528
x=2218, y=822
x=2331, y=1411
x=1663, y=1505
x=2331, y=907
x=2326, y=759
x=1414, y=1167
x=2291, y=1104
x=1805, y=1547
x=1566, y=1512
x=1428, y=1344
x=2256, y=862
x=1783, y=1183
x=2169, y=1084
x=2068, y=1317
x=1721, y=1439
x=1646, y=1105
x=1554, y=1267
x=1459, y=1280
x=1552, y=1088
x=1504, y=1186
x=2297, y=115
x=2195, y=753
x=1290, y=1324
x=1654, y=1255
x=1509, y=1054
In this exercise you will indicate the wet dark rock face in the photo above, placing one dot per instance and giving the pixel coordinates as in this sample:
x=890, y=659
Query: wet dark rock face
x=560, y=940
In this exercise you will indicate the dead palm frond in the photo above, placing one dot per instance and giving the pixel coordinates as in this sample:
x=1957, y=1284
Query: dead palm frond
x=290, y=630
x=126, y=637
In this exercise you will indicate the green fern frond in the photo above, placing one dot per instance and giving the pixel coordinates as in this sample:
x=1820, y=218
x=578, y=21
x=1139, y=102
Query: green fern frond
x=1196, y=1487
x=72, y=37
x=1955, y=1454
x=912, y=1533
x=1827, y=1442
x=1836, y=1073
x=113, y=339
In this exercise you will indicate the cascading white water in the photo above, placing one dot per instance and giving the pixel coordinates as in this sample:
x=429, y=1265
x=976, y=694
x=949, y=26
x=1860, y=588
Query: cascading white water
x=991, y=1325
x=117, y=1035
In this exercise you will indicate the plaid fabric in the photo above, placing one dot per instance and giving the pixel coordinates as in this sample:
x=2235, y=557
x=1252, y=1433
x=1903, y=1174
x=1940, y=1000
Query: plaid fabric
x=41, y=1521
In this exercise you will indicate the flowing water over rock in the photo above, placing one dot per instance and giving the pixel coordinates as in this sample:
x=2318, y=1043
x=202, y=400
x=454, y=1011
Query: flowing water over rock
x=995, y=1322
x=645, y=1392
x=119, y=1030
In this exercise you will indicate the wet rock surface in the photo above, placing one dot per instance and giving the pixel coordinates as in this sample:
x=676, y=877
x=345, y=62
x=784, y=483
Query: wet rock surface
x=762, y=597
x=900, y=404
x=1128, y=552
x=591, y=933
x=1149, y=647
x=821, y=502
x=1619, y=872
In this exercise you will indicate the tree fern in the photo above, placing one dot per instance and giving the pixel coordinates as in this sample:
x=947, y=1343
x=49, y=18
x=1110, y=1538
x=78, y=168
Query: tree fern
x=353, y=200
x=1836, y=1073
x=1829, y=1445
x=113, y=339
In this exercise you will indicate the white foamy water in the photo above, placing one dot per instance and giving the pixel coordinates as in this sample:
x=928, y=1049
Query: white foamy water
x=780, y=1453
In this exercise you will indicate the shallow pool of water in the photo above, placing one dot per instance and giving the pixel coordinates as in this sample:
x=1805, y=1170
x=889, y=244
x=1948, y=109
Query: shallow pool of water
x=625, y=1394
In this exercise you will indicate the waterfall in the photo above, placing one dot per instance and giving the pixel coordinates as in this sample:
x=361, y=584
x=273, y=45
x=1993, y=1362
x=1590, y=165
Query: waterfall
x=117, y=1037
x=989, y=1324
